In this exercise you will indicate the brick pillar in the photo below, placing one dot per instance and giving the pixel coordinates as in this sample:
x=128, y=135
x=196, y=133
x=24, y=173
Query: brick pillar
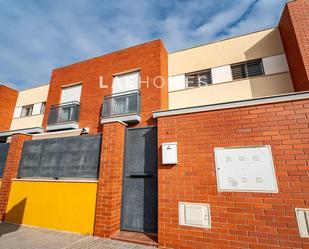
x=108, y=206
x=10, y=169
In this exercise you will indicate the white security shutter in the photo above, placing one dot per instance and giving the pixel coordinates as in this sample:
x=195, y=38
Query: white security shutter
x=275, y=64
x=177, y=82
x=126, y=82
x=17, y=112
x=36, y=109
x=70, y=94
x=221, y=74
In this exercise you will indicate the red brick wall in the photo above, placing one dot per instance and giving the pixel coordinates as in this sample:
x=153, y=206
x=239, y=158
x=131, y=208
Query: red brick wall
x=10, y=169
x=108, y=206
x=164, y=75
x=8, y=97
x=239, y=220
x=294, y=32
x=150, y=58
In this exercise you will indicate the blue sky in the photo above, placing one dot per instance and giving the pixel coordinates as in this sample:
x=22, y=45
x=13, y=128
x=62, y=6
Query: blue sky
x=39, y=35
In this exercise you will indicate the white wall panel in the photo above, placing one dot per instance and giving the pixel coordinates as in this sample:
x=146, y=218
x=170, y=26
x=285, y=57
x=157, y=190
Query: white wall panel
x=177, y=82
x=17, y=112
x=36, y=109
x=221, y=74
x=275, y=64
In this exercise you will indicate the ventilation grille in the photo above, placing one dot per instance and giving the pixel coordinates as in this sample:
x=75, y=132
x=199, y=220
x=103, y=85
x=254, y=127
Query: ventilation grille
x=194, y=214
x=247, y=69
x=302, y=216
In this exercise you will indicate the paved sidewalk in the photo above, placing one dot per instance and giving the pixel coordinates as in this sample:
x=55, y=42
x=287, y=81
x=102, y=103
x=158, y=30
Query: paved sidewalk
x=23, y=237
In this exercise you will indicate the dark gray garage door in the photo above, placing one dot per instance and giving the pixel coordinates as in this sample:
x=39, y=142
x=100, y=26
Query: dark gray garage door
x=140, y=194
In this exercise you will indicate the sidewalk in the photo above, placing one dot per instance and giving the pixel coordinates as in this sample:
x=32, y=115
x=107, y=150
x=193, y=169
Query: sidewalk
x=23, y=237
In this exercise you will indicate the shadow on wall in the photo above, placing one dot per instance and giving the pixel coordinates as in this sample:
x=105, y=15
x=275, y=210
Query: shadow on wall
x=269, y=45
x=15, y=215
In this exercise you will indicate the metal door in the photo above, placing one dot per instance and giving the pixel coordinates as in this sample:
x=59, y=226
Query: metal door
x=140, y=193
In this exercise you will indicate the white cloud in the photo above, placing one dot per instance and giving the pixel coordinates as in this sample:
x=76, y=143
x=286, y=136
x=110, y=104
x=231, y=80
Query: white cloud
x=37, y=36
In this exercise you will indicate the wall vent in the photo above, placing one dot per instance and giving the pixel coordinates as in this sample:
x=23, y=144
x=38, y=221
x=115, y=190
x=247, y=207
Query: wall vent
x=194, y=214
x=302, y=216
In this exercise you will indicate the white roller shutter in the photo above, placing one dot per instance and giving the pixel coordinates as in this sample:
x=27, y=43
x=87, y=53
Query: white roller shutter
x=126, y=82
x=71, y=93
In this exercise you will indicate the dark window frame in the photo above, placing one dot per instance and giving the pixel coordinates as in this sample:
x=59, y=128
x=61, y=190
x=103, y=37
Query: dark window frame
x=30, y=112
x=199, y=79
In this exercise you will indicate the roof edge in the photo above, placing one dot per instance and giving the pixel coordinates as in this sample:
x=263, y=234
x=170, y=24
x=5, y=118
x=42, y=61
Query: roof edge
x=222, y=40
x=234, y=104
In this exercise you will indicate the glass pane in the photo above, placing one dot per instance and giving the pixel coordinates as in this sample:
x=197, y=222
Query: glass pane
x=192, y=80
x=65, y=114
x=26, y=111
x=205, y=79
x=43, y=107
x=120, y=105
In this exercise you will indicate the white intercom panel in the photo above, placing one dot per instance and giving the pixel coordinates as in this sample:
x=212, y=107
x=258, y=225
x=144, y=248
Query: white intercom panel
x=245, y=169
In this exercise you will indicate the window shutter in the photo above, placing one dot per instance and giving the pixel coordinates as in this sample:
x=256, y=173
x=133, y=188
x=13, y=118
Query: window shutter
x=71, y=94
x=247, y=69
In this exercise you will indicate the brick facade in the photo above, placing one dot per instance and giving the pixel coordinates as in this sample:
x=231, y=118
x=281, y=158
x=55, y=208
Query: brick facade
x=8, y=98
x=294, y=32
x=10, y=169
x=108, y=206
x=239, y=220
x=150, y=58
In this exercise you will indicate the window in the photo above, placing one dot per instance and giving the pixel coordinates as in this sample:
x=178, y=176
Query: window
x=43, y=105
x=197, y=79
x=26, y=111
x=247, y=69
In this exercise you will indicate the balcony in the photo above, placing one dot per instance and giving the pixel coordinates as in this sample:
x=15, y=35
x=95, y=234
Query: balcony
x=124, y=107
x=63, y=117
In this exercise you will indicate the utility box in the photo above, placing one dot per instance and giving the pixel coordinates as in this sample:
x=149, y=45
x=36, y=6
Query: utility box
x=302, y=215
x=169, y=153
x=245, y=169
x=194, y=214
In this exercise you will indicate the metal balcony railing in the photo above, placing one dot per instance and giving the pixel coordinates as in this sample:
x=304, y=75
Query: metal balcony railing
x=63, y=113
x=120, y=104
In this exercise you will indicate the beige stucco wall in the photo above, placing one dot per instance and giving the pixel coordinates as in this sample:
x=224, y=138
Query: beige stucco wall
x=27, y=122
x=28, y=97
x=255, y=45
x=232, y=91
x=32, y=96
